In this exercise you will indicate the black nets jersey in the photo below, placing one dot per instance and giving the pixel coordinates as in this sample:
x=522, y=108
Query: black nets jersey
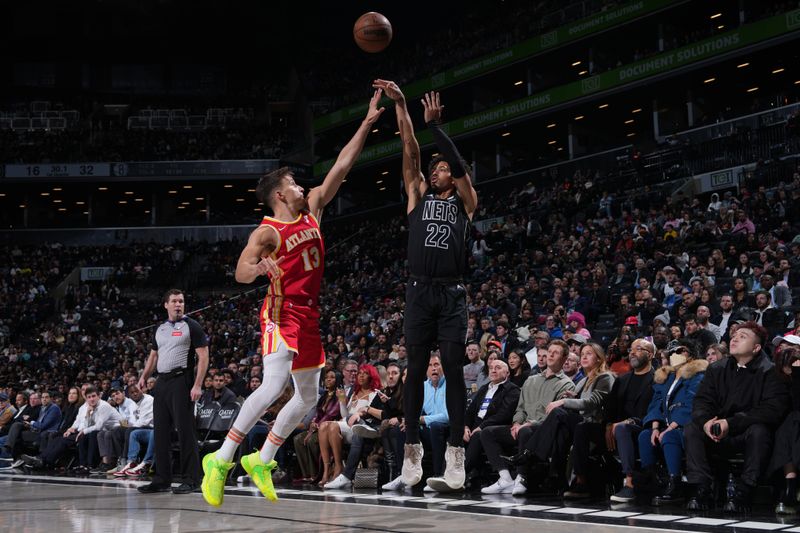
x=438, y=230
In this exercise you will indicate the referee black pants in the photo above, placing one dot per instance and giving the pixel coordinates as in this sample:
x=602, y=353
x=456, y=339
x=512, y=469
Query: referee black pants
x=173, y=409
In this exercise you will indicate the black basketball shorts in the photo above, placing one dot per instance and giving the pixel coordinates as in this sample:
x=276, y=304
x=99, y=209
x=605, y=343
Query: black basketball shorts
x=435, y=312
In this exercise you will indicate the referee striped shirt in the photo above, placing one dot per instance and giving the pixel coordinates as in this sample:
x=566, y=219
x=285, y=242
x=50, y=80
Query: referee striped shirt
x=175, y=343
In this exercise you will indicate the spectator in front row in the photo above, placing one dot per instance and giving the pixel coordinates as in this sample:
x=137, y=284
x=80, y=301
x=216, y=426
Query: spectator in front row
x=670, y=411
x=493, y=405
x=219, y=392
x=306, y=443
x=627, y=406
x=786, y=457
x=30, y=431
x=583, y=406
x=93, y=416
x=536, y=394
x=332, y=434
x=739, y=404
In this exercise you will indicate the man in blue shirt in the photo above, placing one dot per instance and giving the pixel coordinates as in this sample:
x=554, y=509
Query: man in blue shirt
x=434, y=421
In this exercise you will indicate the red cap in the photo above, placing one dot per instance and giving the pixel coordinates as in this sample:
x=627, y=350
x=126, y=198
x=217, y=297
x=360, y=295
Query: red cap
x=631, y=321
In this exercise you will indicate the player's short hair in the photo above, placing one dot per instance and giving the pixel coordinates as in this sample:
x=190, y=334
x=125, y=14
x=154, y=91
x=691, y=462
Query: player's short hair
x=269, y=182
x=561, y=344
x=171, y=292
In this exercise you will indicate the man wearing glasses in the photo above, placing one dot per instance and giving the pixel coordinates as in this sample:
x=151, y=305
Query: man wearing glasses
x=349, y=376
x=627, y=406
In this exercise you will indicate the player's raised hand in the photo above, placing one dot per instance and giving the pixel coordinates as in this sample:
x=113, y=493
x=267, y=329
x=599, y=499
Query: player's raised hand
x=433, y=107
x=374, y=111
x=391, y=89
x=269, y=267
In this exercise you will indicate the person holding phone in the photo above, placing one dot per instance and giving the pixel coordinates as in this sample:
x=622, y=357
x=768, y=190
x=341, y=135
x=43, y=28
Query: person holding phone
x=738, y=406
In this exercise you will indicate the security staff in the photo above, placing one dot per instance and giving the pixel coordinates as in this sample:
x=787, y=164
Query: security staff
x=175, y=345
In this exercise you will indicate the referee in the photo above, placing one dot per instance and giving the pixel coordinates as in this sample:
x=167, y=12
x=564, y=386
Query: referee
x=178, y=386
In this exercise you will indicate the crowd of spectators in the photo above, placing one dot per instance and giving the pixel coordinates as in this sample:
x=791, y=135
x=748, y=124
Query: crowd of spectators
x=634, y=276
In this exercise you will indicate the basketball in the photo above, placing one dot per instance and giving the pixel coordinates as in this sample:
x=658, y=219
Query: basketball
x=372, y=32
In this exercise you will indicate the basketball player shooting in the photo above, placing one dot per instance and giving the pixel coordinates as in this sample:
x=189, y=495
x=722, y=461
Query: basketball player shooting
x=287, y=247
x=439, y=215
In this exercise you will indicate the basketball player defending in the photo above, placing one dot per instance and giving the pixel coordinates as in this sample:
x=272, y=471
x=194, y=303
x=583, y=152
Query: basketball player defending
x=289, y=249
x=439, y=215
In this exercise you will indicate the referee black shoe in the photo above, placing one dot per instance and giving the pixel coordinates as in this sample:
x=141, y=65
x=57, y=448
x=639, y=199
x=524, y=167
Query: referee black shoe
x=184, y=488
x=153, y=488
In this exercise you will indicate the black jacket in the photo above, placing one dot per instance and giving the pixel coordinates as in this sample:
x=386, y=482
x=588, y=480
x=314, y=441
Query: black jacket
x=616, y=400
x=742, y=396
x=500, y=411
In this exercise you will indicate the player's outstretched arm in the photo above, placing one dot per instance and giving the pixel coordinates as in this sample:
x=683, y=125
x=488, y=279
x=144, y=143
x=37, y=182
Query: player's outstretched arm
x=254, y=260
x=433, y=118
x=413, y=178
x=320, y=196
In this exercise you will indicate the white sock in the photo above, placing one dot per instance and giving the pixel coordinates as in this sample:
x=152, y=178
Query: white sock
x=306, y=390
x=505, y=476
x=277, y=368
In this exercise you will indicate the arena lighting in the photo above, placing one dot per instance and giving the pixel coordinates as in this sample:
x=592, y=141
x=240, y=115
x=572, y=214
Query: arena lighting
x=720, y=26
x=62, y=208
x=181, y=207
x=251, y=190
x=56, y=189
x=138, y=199
x=146, y=212
x=382, y=189
x=752, y=89
x=227, y=186
x=742, y=65
x=240, y=199
x=199, y=198
x=575, y=64
x=581, y=73
x=552, y=142
x=122, y=202
x=797, y=82
x=2, y=195
x=187, y=186
x=22, y=206
x=56, y=201
x=44, y=194
x=384, y=172
x=80, y=203
x=86, y=212
x=102, y=188
x=778, y=70
x=602, y=106
x=629, y=121
x=176, y=192
x=637, y=110
x=256, y=209
x=553, y=125
x=397, y=133
x=709, y=80
x=579, y=117
x=375, y=130
x=129, y=193
x=715, y=15
x=560, y=149
x=378, y=182
x=630, y=135
x=505, y=134
x=518, y=83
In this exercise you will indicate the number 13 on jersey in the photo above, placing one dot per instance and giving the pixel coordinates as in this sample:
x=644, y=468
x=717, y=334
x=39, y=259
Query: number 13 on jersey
x=311, y=259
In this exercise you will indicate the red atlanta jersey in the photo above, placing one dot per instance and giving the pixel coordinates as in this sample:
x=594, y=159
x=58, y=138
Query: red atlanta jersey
x=300, y=244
